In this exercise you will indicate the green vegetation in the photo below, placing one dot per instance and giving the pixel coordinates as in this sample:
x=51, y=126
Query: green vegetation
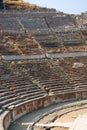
x=79, y=105
x=74, y=117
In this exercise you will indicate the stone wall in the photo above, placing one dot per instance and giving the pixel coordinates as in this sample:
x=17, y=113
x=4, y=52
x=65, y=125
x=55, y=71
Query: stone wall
x=5, y=120
x=18, y=111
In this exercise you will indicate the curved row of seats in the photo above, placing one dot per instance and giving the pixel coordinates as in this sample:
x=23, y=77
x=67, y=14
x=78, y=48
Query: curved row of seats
x=26, y=80
x=53, y=78
x=17, y=44
x=77, y=75
x=15, y=88
x=51, y=30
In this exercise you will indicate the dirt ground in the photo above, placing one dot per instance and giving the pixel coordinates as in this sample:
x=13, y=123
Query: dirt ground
x=69, y=117
x=65, y=115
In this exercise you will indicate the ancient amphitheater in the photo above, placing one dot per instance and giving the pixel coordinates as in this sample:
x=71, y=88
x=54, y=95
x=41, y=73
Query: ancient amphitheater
x=43, y=70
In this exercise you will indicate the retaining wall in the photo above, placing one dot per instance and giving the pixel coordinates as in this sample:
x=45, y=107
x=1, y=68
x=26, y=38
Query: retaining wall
x=15, y=112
